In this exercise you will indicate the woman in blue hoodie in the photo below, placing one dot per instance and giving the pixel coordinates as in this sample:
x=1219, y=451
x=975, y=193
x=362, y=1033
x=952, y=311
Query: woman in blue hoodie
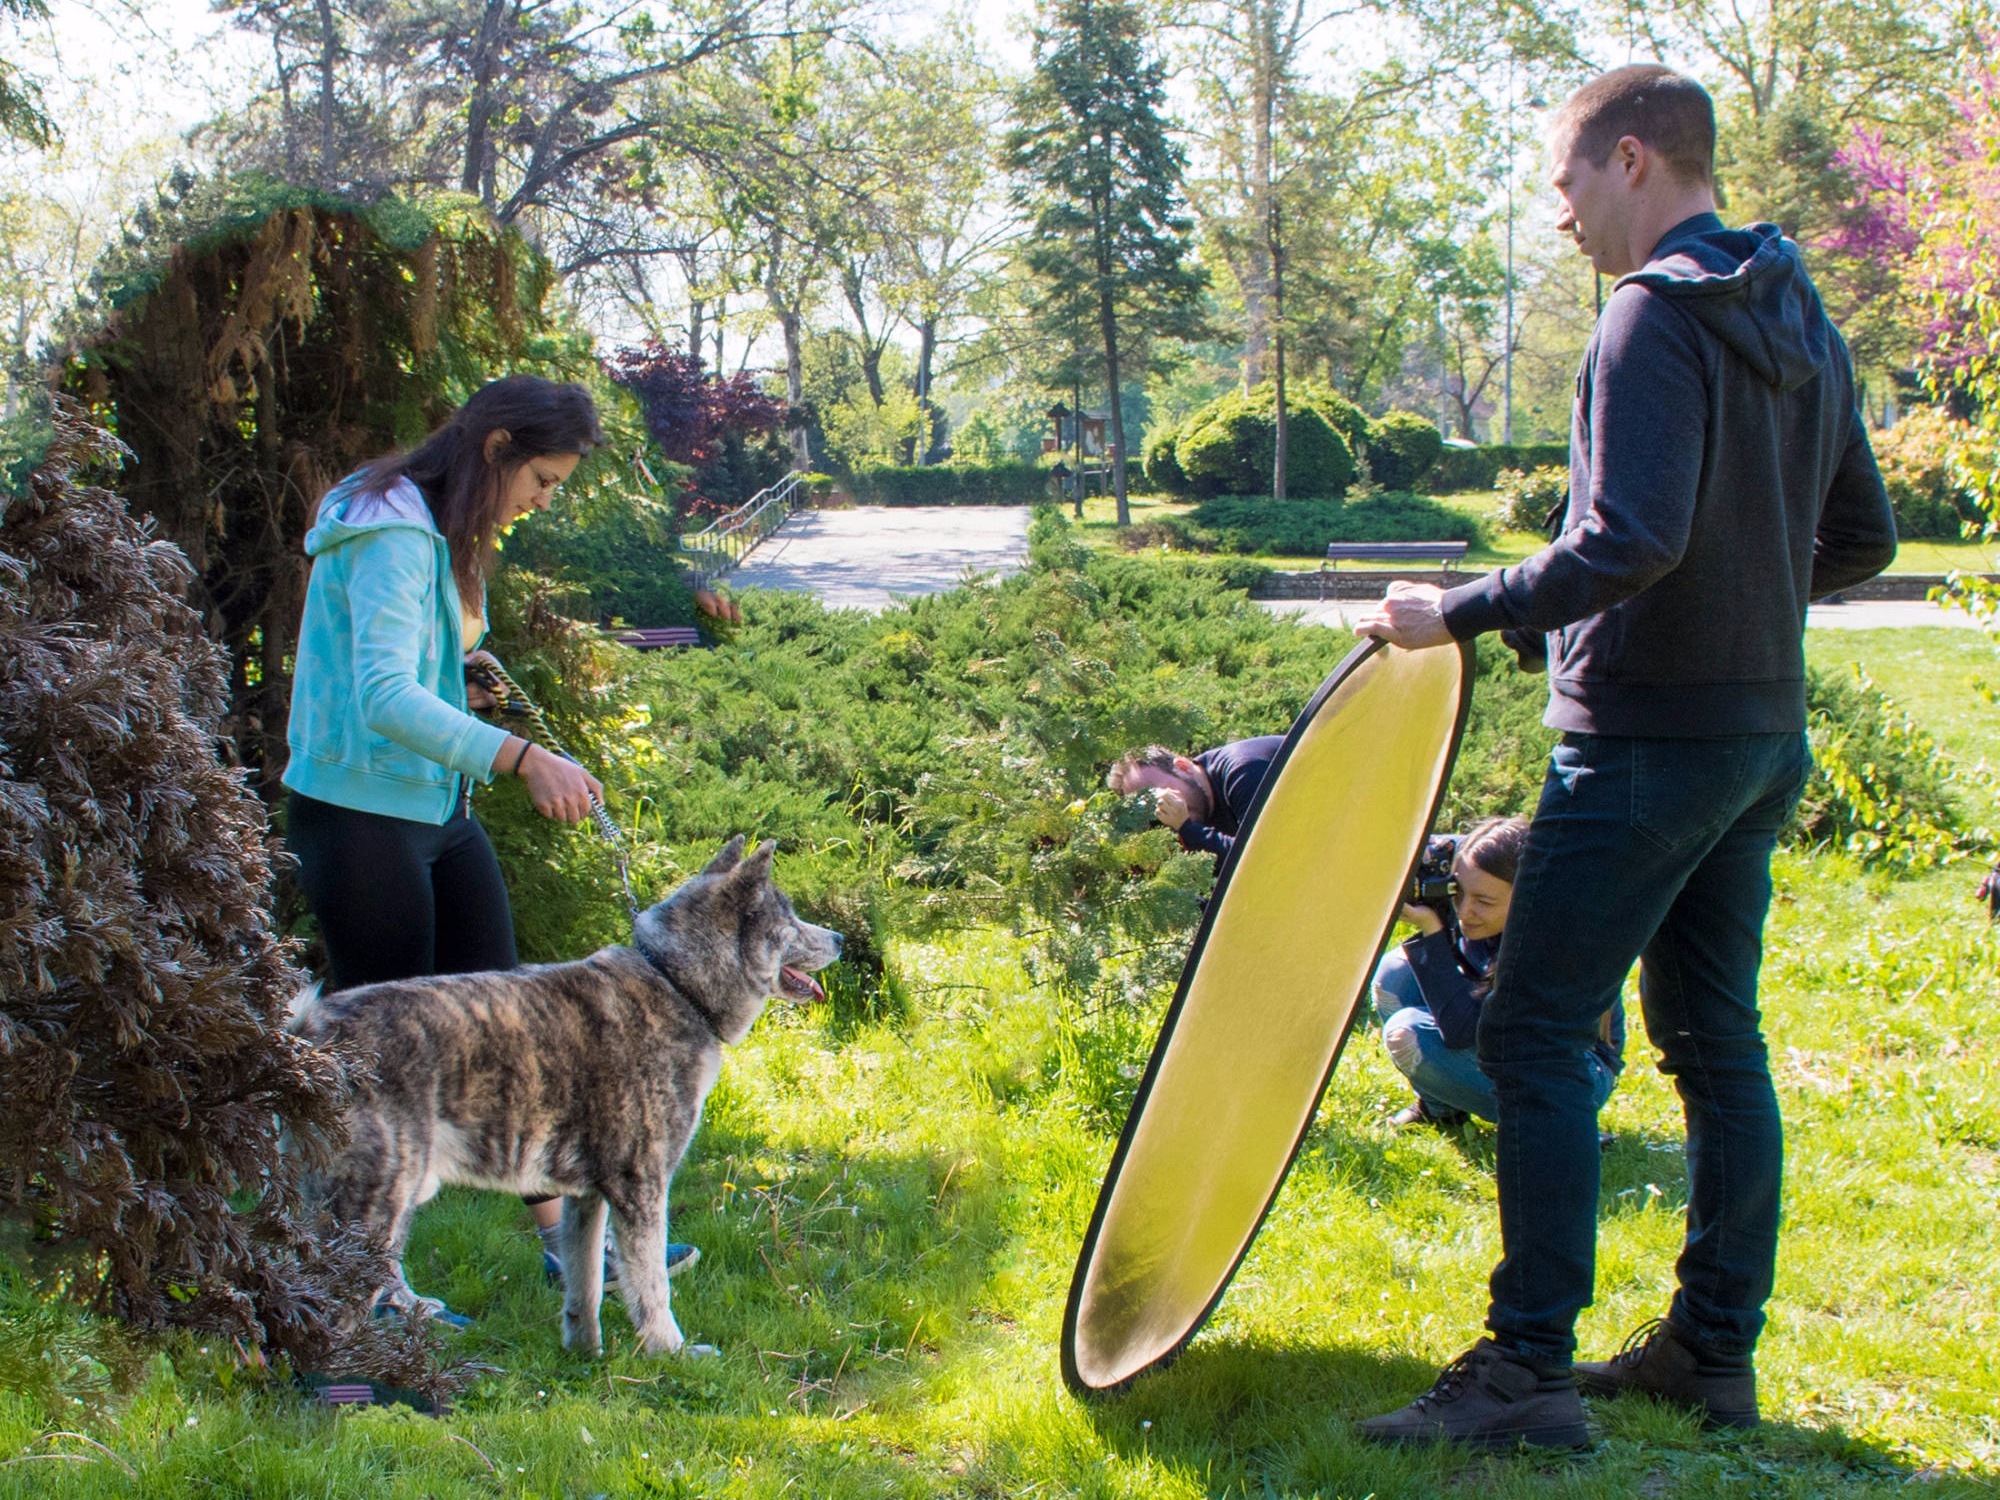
x=383, y=751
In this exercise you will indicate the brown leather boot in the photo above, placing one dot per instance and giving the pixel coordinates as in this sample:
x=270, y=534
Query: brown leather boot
x=1488, y=1399
x=1657, y=1361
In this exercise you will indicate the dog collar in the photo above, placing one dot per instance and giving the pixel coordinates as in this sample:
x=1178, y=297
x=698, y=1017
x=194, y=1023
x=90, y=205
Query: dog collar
x=707, y=1015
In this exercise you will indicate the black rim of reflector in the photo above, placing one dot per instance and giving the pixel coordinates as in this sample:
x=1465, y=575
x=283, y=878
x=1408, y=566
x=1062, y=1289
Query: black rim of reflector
x=1085, y=1257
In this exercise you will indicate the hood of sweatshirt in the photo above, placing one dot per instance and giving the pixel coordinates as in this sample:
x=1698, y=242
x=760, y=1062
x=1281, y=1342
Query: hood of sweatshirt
x=1750, y=289
x=348, y=511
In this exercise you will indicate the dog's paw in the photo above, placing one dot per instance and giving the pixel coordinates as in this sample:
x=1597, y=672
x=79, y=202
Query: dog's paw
x=665, y=1341
x=582, y=1338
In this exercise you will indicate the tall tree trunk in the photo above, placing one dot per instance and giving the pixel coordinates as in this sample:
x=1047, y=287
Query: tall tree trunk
x=1278, y=306
x=477, y=174
x=695, y=306
x=871, y=347
x=1108, y=321
x=790, y=320
x=921, y=385
x=328, y=48
x=1257, y=292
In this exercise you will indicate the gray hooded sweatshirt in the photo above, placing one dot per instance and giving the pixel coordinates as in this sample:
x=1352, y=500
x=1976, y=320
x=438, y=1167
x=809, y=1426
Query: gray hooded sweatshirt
x=1720, y=477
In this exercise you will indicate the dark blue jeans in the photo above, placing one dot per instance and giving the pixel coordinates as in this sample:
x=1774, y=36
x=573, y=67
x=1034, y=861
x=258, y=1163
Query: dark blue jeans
x=1655, y=850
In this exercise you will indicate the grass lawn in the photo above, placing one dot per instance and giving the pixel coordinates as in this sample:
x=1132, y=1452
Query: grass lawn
x=889, y=1216
x=1931, y=674
x=1099, y=528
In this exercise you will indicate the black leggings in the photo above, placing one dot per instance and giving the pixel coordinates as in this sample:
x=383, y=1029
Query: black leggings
x=398, y=899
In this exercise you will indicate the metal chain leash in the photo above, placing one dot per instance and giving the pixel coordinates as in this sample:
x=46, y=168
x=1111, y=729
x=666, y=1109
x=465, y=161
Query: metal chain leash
x=514, y=702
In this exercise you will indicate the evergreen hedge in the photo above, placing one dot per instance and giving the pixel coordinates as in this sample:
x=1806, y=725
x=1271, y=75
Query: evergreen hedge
x=1257, y=526
x=1402, y=450
x=1479, y=468
x=1230, y=447
x=1006, y=483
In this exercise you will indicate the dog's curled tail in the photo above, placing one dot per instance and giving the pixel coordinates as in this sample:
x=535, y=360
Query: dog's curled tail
x=302, y=1002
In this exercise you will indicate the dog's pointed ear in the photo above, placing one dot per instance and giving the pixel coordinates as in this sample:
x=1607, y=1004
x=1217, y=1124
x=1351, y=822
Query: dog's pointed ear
x=730, y=857
x=758, y=865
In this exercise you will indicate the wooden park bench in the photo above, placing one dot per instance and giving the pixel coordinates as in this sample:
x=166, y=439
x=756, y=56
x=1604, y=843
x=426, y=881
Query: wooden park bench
x=1444, y=554
x=659, y=638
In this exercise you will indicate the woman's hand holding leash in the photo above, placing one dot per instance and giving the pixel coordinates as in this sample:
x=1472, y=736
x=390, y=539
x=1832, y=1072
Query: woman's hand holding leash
x=559, y=788
x=484, y=692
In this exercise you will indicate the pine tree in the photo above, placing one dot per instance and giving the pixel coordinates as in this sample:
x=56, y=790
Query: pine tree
x=1099, y=176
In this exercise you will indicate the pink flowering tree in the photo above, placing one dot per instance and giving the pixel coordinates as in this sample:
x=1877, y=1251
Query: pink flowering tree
x=1956, y=269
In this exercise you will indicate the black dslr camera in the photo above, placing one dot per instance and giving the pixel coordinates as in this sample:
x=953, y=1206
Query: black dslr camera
x=1433, y=885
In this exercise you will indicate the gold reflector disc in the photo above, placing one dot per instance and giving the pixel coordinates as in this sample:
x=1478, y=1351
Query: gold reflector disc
x=1271, y=987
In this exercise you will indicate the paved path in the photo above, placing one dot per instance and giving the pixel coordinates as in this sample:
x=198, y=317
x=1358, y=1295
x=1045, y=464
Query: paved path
x=1885, y=614
x=865, y=557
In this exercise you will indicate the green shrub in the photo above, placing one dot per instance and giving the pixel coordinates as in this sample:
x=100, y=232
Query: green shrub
x=1230, y=446
x=1163, y=466
x=1880, y=789
x=1402, y=448
x=619, y=563
x=1004, y=483
x=1916, y=460
x=1528, y=495
x=1255, y=526
x=942, y=764
x=1478, y=468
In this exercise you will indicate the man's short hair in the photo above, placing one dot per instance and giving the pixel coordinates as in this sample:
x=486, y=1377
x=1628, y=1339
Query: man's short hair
x=1670, y=114
x=1159, y=758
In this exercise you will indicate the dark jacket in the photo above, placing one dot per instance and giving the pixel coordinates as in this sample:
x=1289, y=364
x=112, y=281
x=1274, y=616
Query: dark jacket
x=1719, y=478
x=1453, y=996
x=1235, y=770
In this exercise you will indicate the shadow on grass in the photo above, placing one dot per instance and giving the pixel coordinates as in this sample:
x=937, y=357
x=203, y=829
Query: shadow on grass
x=1243, y=1418
x=822, y=1272
x=1636, y=1168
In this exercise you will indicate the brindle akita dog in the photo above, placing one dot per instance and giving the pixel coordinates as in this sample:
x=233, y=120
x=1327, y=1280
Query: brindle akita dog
x=584, y=1079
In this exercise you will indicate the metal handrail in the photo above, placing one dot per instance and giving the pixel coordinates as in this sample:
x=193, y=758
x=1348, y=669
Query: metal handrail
x=728, y=539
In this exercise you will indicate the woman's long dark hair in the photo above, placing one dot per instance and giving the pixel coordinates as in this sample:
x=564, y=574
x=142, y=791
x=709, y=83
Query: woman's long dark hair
x=449, y=468
x=1494, y=845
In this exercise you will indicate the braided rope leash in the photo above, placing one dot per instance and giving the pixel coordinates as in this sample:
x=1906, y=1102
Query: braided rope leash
x=514, y=702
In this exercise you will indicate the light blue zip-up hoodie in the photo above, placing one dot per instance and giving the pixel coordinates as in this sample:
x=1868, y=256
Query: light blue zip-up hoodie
x=378, y=718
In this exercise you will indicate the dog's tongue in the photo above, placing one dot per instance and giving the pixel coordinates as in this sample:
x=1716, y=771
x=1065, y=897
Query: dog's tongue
x=798, y=982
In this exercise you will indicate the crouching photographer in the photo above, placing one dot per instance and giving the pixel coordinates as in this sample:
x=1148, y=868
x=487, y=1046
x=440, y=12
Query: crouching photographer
x=1428, y=991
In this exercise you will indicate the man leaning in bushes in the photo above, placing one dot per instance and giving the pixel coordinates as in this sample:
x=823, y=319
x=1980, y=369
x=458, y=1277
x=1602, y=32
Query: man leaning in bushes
x=1719, y=478
x=1203, y=798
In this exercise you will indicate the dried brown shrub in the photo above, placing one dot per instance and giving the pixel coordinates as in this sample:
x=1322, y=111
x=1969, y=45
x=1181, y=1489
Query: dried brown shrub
x=143, y=1058
x=276, y=346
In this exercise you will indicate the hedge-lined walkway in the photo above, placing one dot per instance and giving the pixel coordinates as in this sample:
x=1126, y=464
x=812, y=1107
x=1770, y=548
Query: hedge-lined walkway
x=865, y=557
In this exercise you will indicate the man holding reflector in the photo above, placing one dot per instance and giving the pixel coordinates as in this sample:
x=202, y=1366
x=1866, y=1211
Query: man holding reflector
x=1719, y=478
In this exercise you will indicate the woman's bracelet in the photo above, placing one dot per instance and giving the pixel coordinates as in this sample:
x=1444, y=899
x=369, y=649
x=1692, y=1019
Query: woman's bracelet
x=526, y=746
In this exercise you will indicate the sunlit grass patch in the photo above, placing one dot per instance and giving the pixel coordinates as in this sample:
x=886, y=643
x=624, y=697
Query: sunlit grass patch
x=889, y=1212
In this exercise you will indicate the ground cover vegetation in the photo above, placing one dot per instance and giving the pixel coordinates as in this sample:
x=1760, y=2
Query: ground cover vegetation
x=889, y=1192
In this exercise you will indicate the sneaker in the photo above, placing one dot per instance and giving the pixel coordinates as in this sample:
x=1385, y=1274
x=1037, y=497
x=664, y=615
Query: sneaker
x=1423, y=1112
x=438, y=1311
x=1658, y=1361
x=1490, y=1400
x=679, y=1258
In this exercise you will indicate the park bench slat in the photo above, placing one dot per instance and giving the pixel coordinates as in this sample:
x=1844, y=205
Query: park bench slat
x=1444, y=554
x=659, y=638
